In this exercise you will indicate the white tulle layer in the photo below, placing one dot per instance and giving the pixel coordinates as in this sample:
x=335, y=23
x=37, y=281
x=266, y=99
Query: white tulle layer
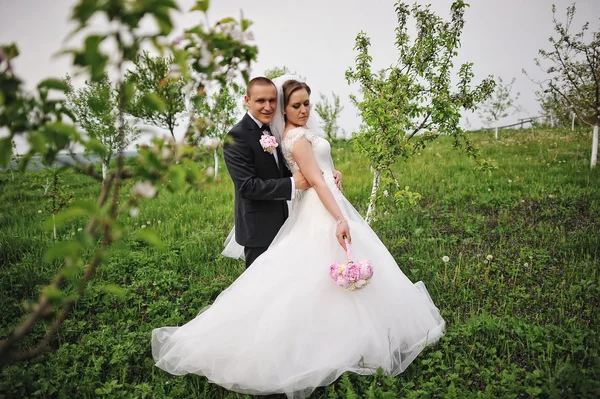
x=284, y=327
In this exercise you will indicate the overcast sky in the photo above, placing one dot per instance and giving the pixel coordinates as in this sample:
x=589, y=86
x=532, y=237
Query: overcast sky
x=316, y=38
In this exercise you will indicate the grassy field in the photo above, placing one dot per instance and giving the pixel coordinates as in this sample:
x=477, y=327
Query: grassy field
x=523, y=324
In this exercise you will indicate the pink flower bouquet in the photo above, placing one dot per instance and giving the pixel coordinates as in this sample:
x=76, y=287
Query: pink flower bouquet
x=268, y=143
x=351, y=275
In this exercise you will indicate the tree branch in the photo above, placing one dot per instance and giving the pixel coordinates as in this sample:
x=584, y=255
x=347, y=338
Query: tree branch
x=570, y=103
x=421, y=126
x=596, y=84
x=44, y=345
x=23, y=329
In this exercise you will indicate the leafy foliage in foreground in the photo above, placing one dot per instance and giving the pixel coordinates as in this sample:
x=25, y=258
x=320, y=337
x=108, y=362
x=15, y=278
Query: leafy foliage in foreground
x=521, y=325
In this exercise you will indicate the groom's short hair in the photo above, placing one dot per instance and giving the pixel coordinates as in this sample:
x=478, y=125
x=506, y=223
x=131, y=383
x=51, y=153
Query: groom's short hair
x=260, y=80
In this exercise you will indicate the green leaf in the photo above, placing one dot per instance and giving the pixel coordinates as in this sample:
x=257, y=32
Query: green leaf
x=150, y=237
x=63, y=216
x=197, y=30
x=5, y=151
x=24, y=161
x=56, y=84
x=70, y=270
x=87, y=240
x=194, y=169
x=92, y=45
x=92, y=57
x=201, y=5
x=167, y=4
x=164, y=22
x=177, y=177
x=246, y=76
x=226, y=20
x=10, y=50
x=129, y=88
x=53, y=293
x=63, y=129
x=37, y=141
x=246, y=23
x=130, y=53
x=154, y=102
x=113, y=289
x=90, y=207
x=62, y=250
x=84, y=10
x=94, y=145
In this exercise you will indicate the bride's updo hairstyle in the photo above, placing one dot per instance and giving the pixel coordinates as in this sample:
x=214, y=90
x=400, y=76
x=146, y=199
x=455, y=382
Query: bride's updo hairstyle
x=289, y=87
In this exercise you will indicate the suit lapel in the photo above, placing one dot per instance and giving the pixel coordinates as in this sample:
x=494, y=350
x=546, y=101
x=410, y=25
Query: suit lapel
x=252, y=127
x=281, y=160
x=257, y=133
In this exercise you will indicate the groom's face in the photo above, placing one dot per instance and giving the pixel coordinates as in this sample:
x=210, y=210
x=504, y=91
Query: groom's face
x=262, y=102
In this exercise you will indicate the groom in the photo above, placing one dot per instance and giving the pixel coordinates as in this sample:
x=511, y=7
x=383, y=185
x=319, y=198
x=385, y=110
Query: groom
x=262, y=181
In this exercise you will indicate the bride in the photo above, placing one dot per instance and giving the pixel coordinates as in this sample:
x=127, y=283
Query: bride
x=284, y=326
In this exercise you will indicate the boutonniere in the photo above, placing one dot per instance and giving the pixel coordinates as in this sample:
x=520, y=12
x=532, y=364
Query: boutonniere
x=268, y=143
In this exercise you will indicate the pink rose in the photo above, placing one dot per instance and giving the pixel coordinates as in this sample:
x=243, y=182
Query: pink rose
x=268, y=143
x=342, y=282
x=334, y=271
x=352, y=272
x=366, y=270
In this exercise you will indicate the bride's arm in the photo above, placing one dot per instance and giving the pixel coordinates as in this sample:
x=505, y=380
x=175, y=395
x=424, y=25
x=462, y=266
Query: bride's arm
x=304, y=157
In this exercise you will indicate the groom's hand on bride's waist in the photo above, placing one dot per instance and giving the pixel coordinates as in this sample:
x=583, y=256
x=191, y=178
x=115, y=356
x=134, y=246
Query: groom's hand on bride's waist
x=337, y=177
x=300, y=181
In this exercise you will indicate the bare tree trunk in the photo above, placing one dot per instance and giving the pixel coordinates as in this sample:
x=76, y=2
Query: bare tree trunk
x=373, y=200
x=551, y=120
x=172, y=128
x=496, y=133
x=104, y=169
x=54, y=226
x=46, y=187
x=572, y=121
x=594, y=147
x=216, y=154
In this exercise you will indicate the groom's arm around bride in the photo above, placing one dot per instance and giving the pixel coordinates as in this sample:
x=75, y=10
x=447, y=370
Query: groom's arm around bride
x=262, y=182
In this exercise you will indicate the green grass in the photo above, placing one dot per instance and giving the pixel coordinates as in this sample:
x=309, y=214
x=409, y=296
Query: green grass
x=524, y=324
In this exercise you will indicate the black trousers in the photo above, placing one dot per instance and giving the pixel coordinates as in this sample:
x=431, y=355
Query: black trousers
x=251, y=253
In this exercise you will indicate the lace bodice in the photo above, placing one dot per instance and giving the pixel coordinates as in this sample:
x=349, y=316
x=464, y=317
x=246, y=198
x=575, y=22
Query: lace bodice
x=321, y=149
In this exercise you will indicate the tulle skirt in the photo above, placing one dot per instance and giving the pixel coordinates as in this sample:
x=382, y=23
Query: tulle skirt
x=284, y=327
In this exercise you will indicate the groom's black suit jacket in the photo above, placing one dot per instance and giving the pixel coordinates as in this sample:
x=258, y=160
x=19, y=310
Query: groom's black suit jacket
x=261, y=188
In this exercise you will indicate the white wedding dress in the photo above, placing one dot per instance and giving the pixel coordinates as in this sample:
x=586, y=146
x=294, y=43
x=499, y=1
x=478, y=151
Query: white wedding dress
x=285, y=327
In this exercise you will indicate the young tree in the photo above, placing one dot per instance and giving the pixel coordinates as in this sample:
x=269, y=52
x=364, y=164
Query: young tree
x=406, y=105
x=572, y=65
x=215, y=57
x=553, y=110
x=556, y=111
x=215, y=114
x=30, y=112
x=58, y=199
x=329, y=112
x=276, y=72
x=15, y=159
x=156, y=84
x=499, y=104
x=95, y=108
